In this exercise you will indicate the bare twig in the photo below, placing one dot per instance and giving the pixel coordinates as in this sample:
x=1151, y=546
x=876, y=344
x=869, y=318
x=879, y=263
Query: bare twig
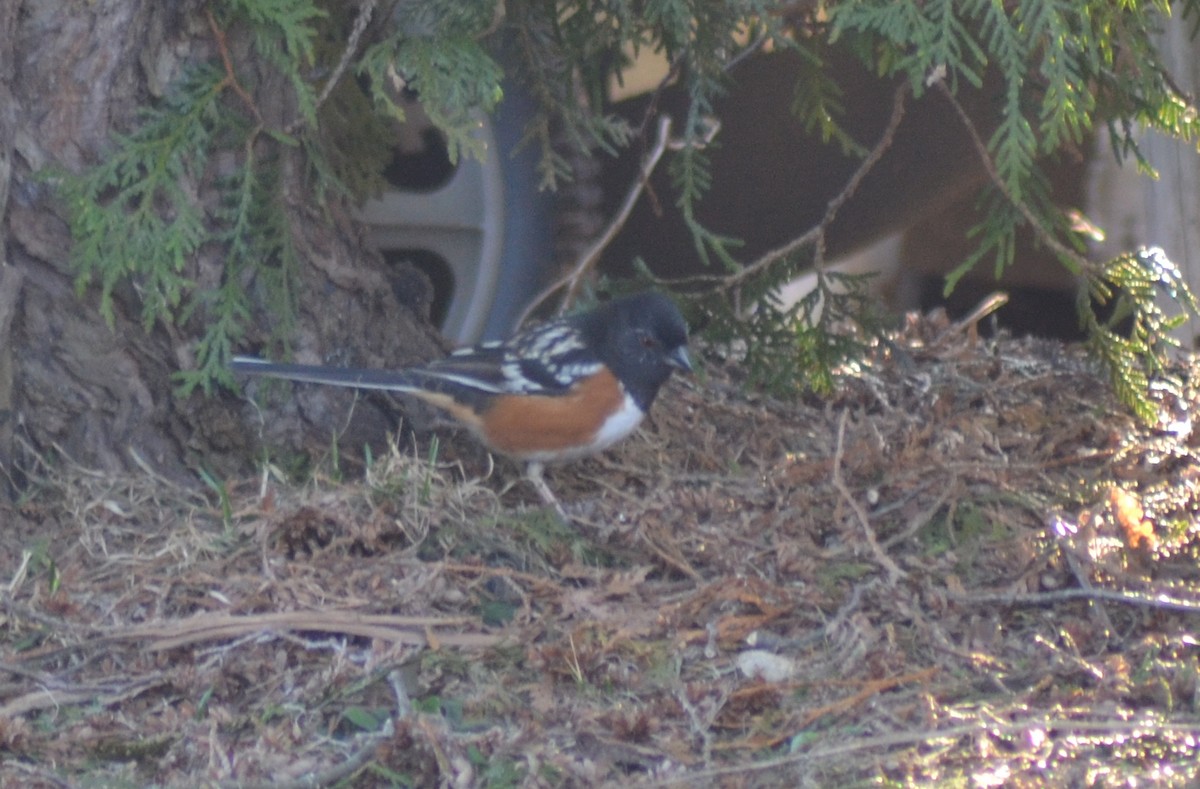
x=701, y=720
x=751, y=48
x=671, y=558
x=365, y=10
x=993, y=727
x=815, y=235
x=386, y=627
x=498, y=14
x=922, y=519
x=1085, y=583
x=102, y=694
x=1043, y=235
x=536, y=581
x=333, y=776
x=970, y=322
x=1148, y=600
x=360, y=25
x=40, y=775
x=899, y=98
x=231, y=80
x=572, y=280
x=893, y=570
x=574, y=277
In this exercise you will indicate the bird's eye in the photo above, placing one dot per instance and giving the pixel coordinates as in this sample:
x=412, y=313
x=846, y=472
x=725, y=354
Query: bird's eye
x=649, y=342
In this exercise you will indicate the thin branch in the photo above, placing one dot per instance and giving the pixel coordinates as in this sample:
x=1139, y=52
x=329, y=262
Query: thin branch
x=53, y=695
x=231, y=79
x=899, y=99
x=923, y=519
x=1148, y=600
x=206, y=627
x=893, y=570
x=673, y=71
x=499, y=12
x=574, y=277
x=751, y=48
x=991, y=727
x=816, y=234
x=572, y=280
x=970, y=323
x=200, y=628
x=1043, y=235
x=360, y=25
x=332, y=776
x=870, y=689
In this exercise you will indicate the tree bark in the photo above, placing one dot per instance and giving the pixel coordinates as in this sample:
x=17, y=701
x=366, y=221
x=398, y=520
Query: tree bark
x=10, y=277
x=103, y=395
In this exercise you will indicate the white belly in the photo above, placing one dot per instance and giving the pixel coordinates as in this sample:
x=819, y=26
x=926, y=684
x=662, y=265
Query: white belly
x=619, y=425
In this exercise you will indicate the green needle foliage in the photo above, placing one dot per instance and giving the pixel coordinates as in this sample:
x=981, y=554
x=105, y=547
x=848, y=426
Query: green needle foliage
x=150, y=168
x=143, y=215
x=1135, y=338
x=1066, y=66
x=146, y=213
x=139, y=216
x=446, y=62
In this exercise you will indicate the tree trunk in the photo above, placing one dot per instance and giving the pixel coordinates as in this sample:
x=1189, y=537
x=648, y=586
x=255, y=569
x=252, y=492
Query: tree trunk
x=71, y=74
x=1171, y=205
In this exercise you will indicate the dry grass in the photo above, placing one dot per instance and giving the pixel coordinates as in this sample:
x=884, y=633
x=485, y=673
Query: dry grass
x=969, y=568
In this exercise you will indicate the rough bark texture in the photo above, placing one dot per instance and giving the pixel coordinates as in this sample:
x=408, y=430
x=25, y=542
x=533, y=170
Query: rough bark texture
x=10, y=277
x=68, y=381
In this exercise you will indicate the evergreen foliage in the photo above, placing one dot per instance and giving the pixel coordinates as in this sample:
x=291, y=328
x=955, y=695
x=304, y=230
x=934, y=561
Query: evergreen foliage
x=1134, y=339
x=141, y=215
x=117, y=209
x=1065, y=66
x=436, y=49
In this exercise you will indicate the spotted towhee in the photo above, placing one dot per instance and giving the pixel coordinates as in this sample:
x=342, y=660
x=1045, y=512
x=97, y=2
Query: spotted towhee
x=558, y=391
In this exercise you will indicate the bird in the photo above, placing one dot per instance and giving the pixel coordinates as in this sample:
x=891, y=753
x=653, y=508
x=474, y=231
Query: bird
x=557, y=391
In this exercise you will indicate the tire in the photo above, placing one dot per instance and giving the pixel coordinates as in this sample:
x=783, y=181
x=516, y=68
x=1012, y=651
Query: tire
x=480, y=230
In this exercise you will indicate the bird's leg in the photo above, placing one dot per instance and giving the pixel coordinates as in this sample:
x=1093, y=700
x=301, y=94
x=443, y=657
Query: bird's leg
x=534, y=473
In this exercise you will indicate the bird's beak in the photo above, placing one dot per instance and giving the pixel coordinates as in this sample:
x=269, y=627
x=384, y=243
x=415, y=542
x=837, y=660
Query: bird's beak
x=678, y=359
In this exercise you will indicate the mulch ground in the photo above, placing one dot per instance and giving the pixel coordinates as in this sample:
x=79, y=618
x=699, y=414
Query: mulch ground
x=969, y=567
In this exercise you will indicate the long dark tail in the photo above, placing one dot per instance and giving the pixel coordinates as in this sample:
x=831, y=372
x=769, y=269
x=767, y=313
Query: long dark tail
x=335, y=376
